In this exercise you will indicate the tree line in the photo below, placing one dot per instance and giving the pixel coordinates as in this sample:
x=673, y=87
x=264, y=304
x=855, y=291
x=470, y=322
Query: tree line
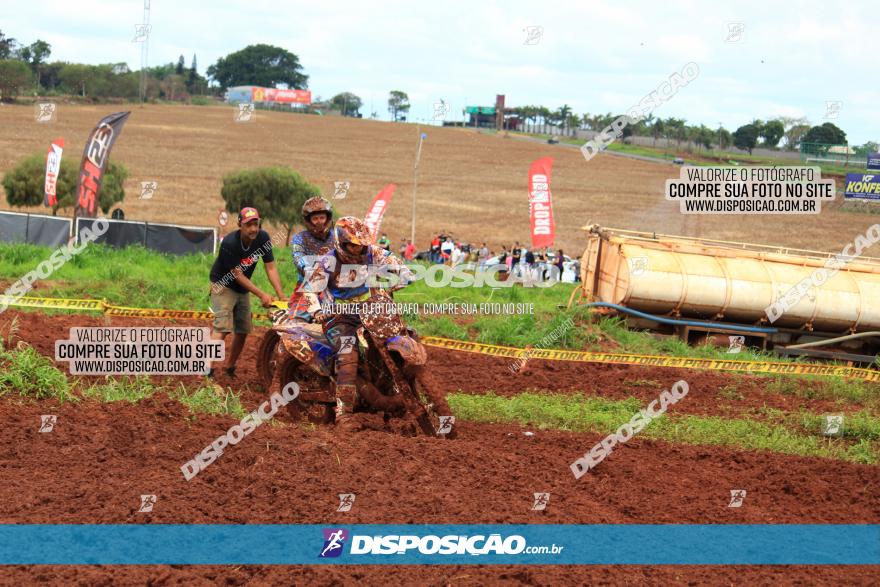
x=758, y=133
x=26, y=69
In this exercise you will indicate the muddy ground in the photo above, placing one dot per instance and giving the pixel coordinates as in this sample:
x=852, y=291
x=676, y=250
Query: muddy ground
x=100, y=458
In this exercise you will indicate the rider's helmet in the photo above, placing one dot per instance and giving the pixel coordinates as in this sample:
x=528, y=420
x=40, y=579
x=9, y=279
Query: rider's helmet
x=314, y=206
x=353, y=237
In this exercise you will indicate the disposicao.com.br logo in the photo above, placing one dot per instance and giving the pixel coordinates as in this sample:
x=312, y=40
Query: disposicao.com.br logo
x=334, y=542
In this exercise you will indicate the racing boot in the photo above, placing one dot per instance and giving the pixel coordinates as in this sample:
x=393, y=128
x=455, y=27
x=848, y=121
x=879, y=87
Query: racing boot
x=346, y=395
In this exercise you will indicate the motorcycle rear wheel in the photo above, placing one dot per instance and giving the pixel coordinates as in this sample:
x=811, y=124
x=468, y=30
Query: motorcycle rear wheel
x=435, y=406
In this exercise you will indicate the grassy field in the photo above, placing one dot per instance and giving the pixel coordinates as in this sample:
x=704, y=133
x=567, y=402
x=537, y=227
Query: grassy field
x=29, y=376
x=470, y=183
x=798, y=434
x=137, y=277
x=140, y=278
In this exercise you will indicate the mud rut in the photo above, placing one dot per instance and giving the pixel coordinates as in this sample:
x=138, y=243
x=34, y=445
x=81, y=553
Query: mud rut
x=101, y=457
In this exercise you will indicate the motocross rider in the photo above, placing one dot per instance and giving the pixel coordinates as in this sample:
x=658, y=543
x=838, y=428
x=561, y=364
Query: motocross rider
x=306, y=246
x=344, y=274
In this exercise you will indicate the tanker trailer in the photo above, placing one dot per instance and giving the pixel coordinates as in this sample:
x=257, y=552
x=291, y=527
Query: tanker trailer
x=706, y=290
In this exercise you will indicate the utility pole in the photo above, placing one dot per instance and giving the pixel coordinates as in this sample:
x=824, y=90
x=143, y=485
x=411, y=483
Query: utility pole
x=422, y=136
x=145, y=31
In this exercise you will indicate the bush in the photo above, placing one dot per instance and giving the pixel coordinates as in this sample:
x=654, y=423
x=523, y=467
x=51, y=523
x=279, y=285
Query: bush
x=200, y=101
x=277, y=192
x=24, y=185
x=15, y=77
x=29, y=374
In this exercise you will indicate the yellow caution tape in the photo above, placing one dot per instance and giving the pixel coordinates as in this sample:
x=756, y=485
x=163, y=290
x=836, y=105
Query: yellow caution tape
x=111, y=310
x=97, y=305
x=156, y=313
x=653, y=360
x=493, y=350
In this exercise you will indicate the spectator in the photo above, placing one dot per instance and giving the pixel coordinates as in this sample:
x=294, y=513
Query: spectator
x=483, y=256
x=385, y=242
x=409, y=251
x=542, y=266
x=529, y=264
x=516, y=257
x=231, y=285
x=457, y=256
x=402, y=248
x=446, y=249
x=560, y=264
x=435, y=249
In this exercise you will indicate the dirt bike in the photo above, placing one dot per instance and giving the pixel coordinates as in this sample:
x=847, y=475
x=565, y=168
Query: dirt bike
x=392, y=378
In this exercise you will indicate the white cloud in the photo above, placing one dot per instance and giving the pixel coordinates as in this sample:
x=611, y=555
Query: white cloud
x=596, y=56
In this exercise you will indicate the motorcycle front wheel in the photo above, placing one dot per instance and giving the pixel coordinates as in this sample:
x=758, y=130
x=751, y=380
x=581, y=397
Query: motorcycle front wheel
x=316, y=412
x=266, y=358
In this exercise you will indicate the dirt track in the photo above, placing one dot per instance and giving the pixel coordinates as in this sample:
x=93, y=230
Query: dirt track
x=101, y=457
x=477, y=374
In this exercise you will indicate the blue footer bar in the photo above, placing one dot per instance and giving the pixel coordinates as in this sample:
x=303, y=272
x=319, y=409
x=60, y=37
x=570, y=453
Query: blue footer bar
x=674, y=544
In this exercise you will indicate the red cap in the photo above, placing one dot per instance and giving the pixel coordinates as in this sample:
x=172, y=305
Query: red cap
x=248, y=214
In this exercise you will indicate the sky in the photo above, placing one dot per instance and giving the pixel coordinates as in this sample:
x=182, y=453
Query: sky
x=756, y=59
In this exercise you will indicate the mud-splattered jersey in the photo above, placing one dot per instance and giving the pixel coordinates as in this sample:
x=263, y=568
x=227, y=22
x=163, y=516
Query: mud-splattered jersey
x=304, y=245
x=351, y=283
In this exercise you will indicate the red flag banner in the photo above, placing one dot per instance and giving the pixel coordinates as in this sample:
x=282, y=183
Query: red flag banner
x=541, y=203
x=377, y=209
x=94, y=163
x=53, y=168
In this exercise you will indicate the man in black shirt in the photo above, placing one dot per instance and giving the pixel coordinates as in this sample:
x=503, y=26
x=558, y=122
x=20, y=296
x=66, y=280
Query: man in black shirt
x=516, y=255
x=231, y=282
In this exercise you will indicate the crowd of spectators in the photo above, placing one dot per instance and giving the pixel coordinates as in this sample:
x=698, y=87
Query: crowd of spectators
x=519, y=259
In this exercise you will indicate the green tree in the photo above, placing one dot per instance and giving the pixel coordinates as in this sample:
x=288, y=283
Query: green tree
x=561, y=116
x=7, y=46
x=827, y=133
x=181, y=65
x=160, y=72
x=703, y=136
x=174, y=87
x=795, y=135
x=397, y=102
x=259, y=65
x=772, y=132
x=868, y=147
x=277, y=192
x=73, y=78
x=674, y=128
x=15, y=76
x=192, y=77
x=49, y=75
x=759, y=126
x=25, y=183
x=746, y=137
x=347, y=103
x=658, y=129
x=35, y=55
x=723, y=138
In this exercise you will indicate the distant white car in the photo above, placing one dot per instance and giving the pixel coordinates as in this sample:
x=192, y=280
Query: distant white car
x=568, y=266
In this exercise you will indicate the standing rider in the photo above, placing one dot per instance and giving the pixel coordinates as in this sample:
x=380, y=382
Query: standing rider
x=346, y=274
x=309, y=245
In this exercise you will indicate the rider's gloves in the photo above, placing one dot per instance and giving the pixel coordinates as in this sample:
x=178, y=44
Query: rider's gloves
x=319, y=317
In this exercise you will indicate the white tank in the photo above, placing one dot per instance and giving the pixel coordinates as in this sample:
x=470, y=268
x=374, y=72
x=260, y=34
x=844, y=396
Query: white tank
x=727, y=281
